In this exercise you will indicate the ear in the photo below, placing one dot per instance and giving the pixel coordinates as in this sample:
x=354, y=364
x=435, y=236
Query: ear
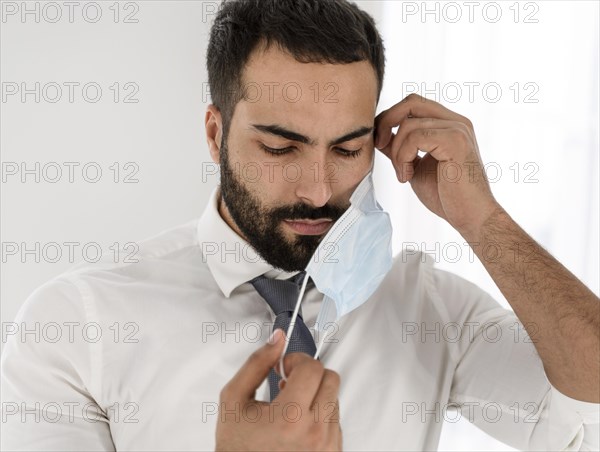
x=214, y=131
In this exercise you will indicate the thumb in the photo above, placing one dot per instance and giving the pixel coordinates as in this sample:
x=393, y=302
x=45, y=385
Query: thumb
x=242, y=387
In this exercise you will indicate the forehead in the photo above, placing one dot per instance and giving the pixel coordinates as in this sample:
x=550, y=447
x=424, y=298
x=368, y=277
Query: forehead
x=280, y=89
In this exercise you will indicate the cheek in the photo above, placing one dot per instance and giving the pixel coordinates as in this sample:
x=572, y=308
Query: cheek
x=265, y=181
x=356, y=168
x=250, y=167
x=348, y=178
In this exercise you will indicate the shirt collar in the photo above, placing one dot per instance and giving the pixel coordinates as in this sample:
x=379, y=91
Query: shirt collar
x=231, y=260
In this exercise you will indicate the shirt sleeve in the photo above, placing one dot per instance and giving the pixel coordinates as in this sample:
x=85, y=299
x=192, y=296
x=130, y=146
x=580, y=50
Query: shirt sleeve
x=48, y=375
x=499, y=383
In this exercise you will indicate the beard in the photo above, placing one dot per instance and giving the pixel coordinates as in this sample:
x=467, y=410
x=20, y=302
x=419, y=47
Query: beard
x=262, y=226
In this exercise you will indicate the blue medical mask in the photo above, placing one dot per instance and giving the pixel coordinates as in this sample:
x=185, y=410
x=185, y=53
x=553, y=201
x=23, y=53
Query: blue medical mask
x=351, y=260
x=359, y=253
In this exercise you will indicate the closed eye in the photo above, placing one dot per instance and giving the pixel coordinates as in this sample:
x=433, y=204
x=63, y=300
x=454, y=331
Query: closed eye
x=349, y=153
x=275, y=151
x=344, y=152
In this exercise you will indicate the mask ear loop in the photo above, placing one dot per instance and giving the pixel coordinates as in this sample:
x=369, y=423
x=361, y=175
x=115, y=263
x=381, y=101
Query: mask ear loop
x=288, y=334
x=321, y=342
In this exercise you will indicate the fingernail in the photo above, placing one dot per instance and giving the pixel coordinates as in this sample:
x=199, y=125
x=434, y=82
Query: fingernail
x=275, y=336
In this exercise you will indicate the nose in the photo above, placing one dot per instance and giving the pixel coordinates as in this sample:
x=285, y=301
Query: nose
x=314, y=186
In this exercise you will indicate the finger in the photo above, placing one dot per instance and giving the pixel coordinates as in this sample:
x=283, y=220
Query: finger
x=412, y=106
x=328, y=388
x=242, y=387
x=444, y=145
x=407, y=126
x=304, y=374
x=383, y=133
x=405, y=155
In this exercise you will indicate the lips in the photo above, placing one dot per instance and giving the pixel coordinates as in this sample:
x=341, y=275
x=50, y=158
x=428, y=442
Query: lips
x=309, y=227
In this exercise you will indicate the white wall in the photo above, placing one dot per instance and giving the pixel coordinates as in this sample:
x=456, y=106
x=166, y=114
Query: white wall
x=542, y=149
x=163, y=55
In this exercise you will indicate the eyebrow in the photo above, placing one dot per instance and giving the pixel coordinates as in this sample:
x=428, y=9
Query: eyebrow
x=278, y=130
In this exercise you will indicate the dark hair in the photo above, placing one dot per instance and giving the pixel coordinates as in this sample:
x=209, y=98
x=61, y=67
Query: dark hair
x=312, y=31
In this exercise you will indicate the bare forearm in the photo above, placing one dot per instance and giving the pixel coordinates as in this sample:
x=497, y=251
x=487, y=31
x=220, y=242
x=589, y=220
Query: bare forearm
x=561, y=315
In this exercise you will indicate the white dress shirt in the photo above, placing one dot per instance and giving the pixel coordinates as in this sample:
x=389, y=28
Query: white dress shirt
x=132, y=356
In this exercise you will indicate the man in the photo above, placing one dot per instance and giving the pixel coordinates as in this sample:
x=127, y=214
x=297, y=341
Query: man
x=179, y=355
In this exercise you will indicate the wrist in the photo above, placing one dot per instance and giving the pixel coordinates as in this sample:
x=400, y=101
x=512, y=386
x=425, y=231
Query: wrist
x=475, y=231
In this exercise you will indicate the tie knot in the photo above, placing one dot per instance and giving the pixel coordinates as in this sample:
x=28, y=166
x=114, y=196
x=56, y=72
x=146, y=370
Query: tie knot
x=280, y=294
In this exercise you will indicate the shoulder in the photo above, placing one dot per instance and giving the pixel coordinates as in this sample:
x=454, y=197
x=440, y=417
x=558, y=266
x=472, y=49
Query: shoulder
x=164, y=257
x=415, y=279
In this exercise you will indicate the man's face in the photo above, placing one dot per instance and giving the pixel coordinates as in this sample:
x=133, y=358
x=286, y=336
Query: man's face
x=299, y=143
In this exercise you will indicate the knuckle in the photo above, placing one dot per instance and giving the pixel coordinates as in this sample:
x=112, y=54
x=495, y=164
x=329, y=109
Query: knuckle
x=332, y=378
x=315, y=366
x=290, y=359
x=466, y=131
x=462, y=126
x=385, y=119
x=461, y=136
x=428, y=133
x=426, y=122
x=295, y=359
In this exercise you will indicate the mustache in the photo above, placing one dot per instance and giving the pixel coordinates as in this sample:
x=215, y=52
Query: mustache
x=302, y=211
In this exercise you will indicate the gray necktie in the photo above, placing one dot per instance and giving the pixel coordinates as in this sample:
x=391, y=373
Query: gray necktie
x=281, y=295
